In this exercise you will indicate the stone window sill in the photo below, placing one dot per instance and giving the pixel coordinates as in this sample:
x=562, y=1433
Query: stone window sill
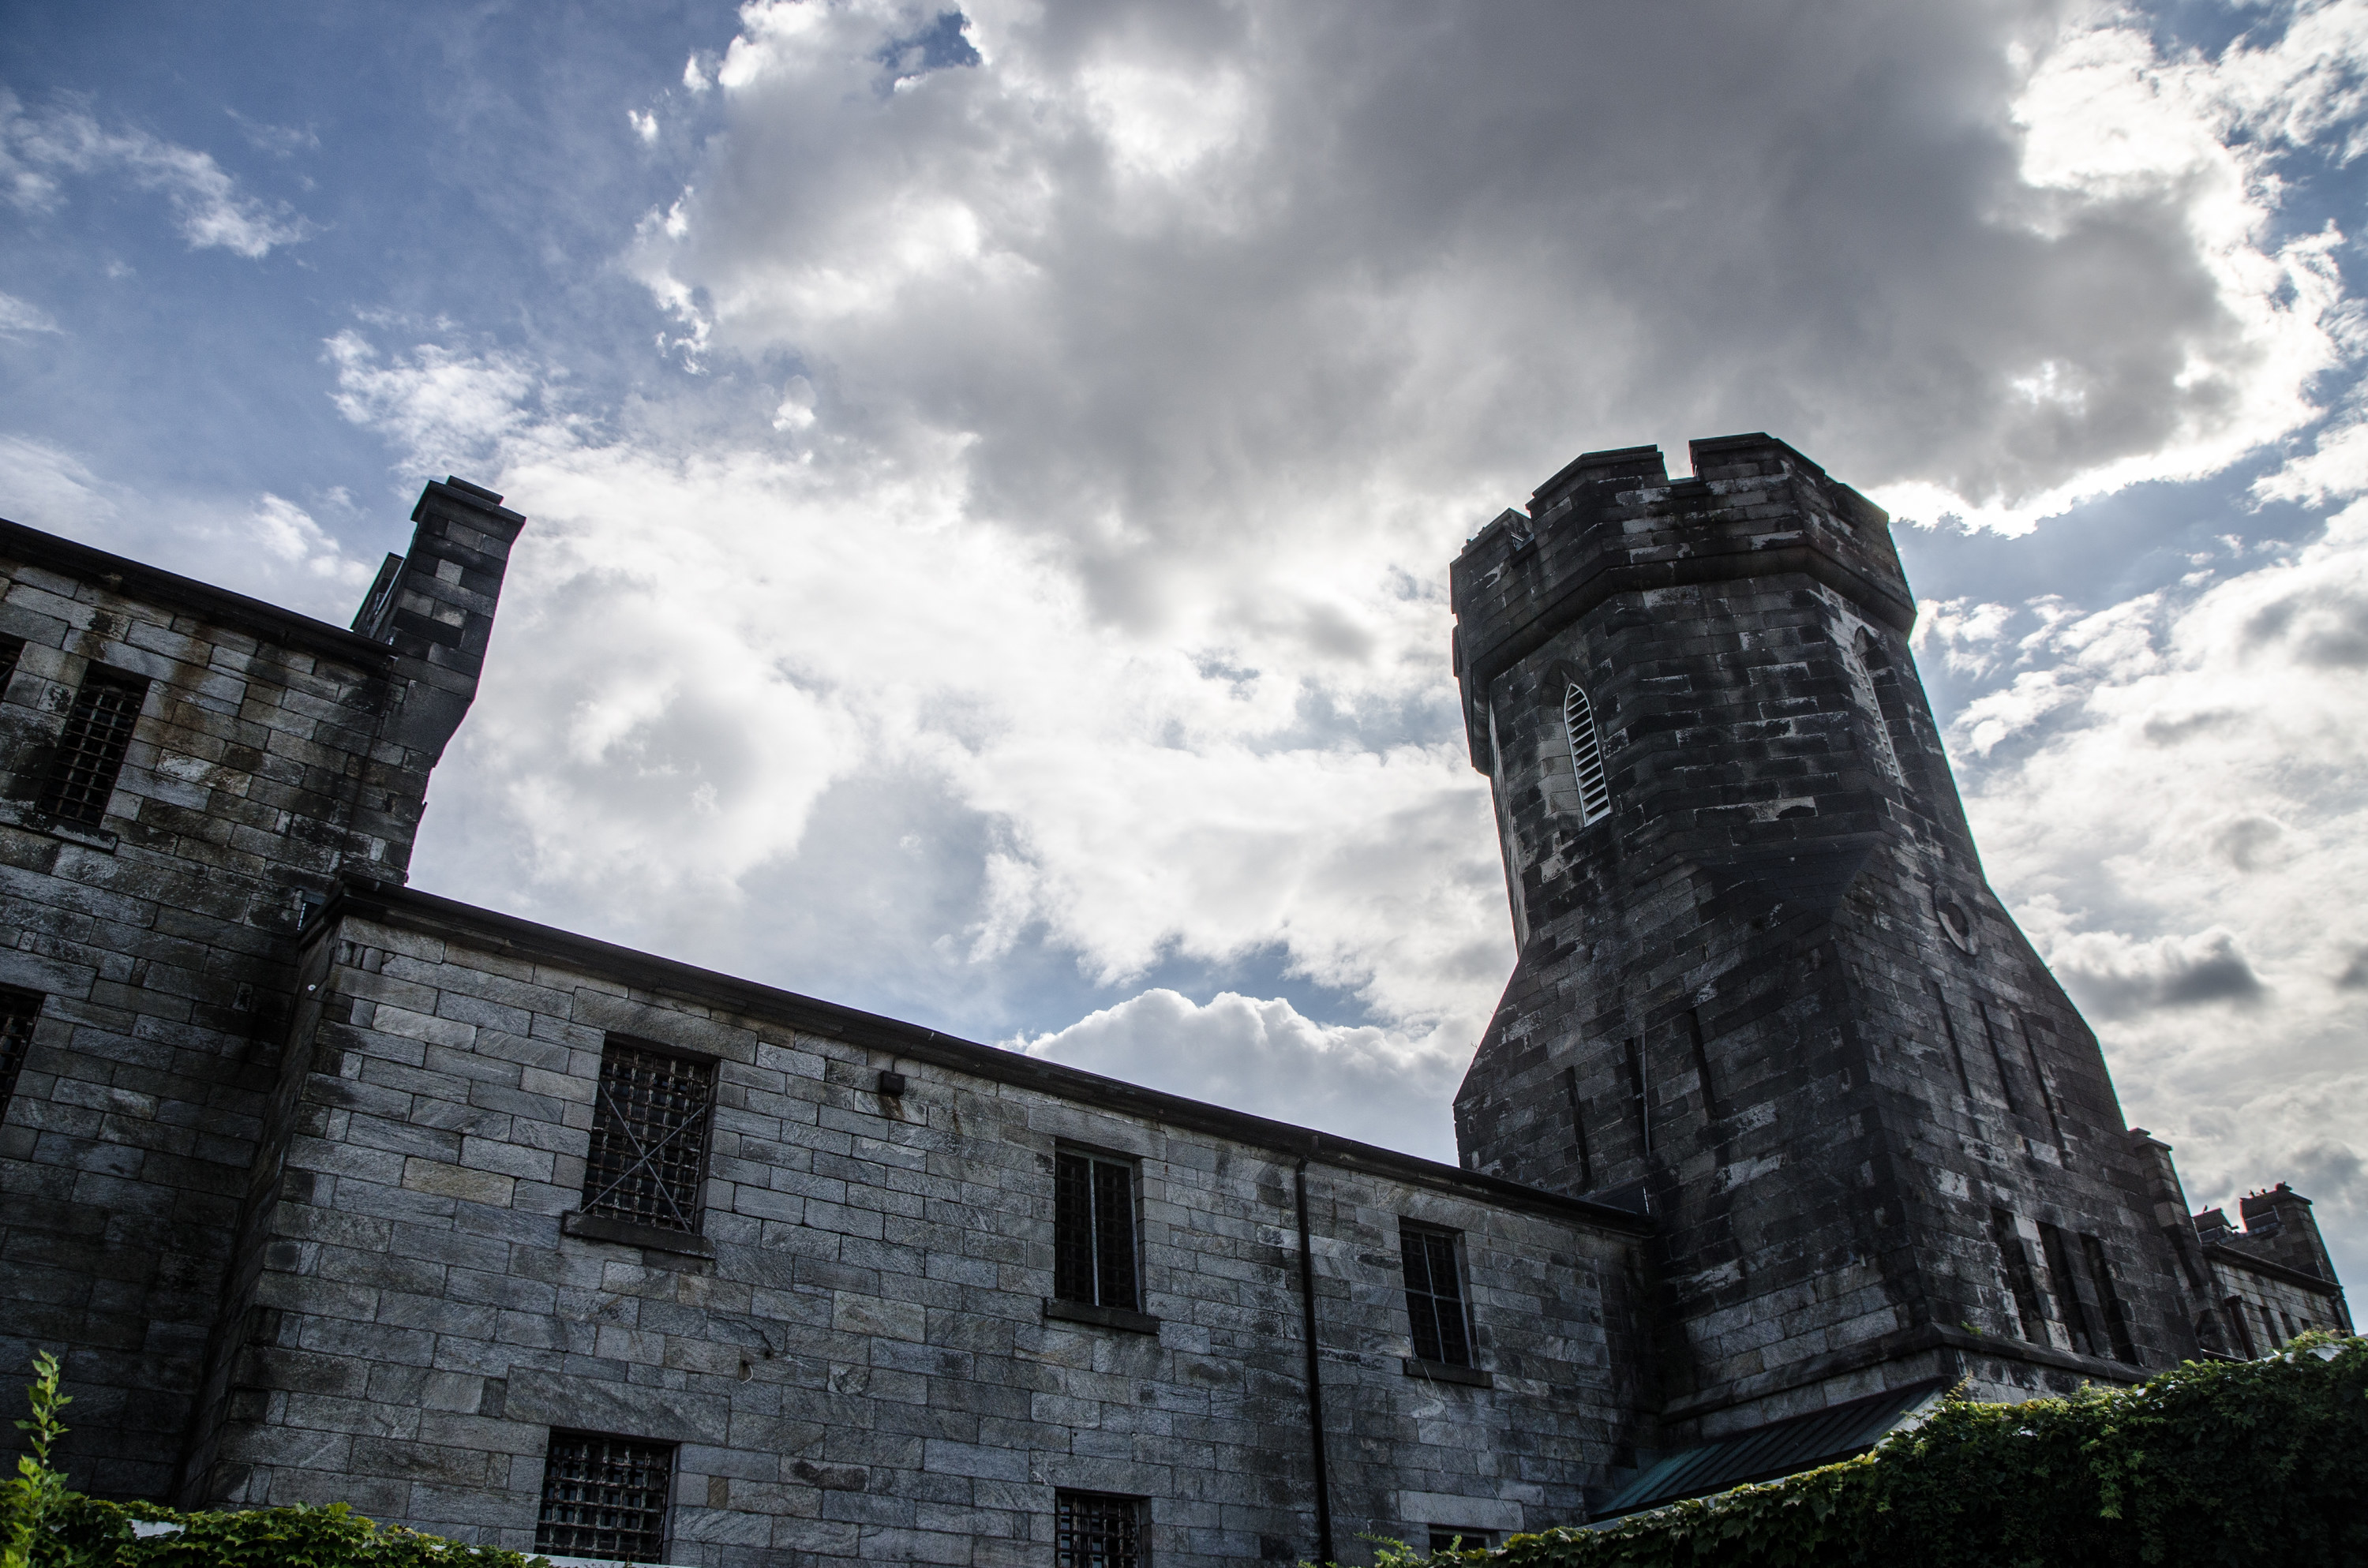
x=1104, y=1317
x=604, y=1228
x=16, y=814
x=1442, y=1372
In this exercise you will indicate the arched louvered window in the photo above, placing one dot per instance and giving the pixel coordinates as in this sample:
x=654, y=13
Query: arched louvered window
x=1586, y=756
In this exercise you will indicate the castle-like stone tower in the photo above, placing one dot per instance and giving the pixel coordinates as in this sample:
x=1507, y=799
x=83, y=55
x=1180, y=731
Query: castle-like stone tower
x=1763, y=991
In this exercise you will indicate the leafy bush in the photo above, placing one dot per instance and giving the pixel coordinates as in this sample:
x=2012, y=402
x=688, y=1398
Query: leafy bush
x=2218, y=1463
x=42, y=1525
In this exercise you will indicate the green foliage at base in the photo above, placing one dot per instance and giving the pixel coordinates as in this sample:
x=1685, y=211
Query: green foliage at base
x=2220, y=1463
x=89, y=1533
x=42, y=1525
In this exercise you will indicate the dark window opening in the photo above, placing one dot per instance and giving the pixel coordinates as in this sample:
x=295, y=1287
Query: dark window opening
x=1956, y=1050
x=1095, y=1529
x=2108, y=1302
x=1579, y=1131
x=2022, y=1288
x=1446, y=1537
x=1093, y=1232
x=2067, y=1291
x=2006, y=1082
x=90, y=750
x=1637, y=1080
x=649, y=1137
x=604, y=1497
x=1434, y=1294
x=2243, y=1330
x=9, y=650
x=19, y=1011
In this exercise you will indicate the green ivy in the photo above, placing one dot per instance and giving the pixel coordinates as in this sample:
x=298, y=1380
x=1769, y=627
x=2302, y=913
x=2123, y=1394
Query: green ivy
x=2210, y=1464
x=43, y=1525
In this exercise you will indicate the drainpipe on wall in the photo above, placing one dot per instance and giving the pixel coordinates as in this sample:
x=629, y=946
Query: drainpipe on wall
x=1315, y=1385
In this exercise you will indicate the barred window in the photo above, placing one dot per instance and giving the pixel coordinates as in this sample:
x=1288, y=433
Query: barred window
x=9, y=650
x=649, y=1137
x=19, y=1011
x=1093, y=1232
x=1586, y=756
x=604, y=1497
x=1095, y=1529
x=90, y=750
x=1434, y=1294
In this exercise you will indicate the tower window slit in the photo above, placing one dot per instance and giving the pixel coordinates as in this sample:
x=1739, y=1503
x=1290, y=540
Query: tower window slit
x=1586, y=756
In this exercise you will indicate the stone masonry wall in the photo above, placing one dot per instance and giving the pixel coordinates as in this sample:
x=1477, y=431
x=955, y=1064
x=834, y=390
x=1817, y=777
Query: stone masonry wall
x=1741, y=996
x=270, y=751
x=864, y=1370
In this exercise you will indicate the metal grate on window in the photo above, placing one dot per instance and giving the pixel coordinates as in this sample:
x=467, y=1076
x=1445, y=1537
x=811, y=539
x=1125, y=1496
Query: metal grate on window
x=649, y=1137
x=19, y=1011
x=1434, y=1294
x=1586, y=756
x=9, y=650
x=90, y=750
x=1093, y=1529
x=604, y=1497
x=1093, y=1232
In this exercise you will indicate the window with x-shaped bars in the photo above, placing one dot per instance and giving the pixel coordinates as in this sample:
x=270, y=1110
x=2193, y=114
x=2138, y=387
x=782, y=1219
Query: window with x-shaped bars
x=649, y=1137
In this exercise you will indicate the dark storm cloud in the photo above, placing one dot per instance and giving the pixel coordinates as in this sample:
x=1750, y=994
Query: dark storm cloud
x=1185, y=272
x=2170, y=973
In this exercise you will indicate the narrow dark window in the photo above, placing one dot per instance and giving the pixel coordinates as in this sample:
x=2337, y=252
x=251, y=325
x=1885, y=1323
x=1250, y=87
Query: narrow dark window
x=1644, y=1101
x=2234, y=1307
x=2084, y=1338
x=2109, y=1301
x=2025, y=1288
x=604, y=1497
x=1948, y=1026
x=1989, y=1033
x=649, y=1137
x=1691, y=1024
x=1579, y=1131
x=9, y=649
x=1447, y=1538
x=1093, y=1232
x=1586, y=756
x=90, y=751
x=1434, y=1293
x=1095, y=1529
x=2039, y=1077
x=19, y=1011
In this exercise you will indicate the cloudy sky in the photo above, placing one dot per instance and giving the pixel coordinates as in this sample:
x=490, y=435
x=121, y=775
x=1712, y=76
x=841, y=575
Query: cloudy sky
x=992, y=473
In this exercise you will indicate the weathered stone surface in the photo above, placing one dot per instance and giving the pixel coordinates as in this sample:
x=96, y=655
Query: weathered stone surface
x=299, y=1196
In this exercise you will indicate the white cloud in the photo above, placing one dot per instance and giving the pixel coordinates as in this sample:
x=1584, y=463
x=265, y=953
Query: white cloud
x=1080, y=597
x=1265, y=1056
x=2183, y=828
x=270, y=548
x=37, y=148
x=19, y=318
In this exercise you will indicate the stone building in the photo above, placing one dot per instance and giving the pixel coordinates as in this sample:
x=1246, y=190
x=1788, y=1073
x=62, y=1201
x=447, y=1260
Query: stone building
x=330, y=1189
